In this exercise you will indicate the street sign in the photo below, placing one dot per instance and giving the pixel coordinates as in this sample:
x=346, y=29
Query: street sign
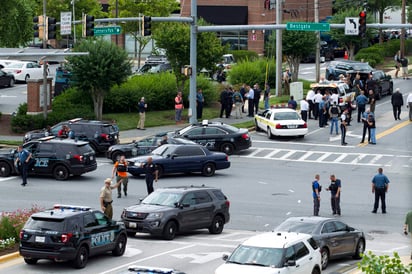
x=304, y=26
x=351, y=26
x=107, y=31
x=65, y=23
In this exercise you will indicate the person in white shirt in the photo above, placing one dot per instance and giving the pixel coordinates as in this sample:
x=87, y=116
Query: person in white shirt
x=334, y=98
x=250, y=101
x=309, y=98
x=317, y=99
x=304, y=107
x=409, y=105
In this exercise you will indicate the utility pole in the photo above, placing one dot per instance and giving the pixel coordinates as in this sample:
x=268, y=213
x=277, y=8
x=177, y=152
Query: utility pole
x=317, y=57
x=403, y=21
x=193, y=63
x=278, y=49
x=44, y=91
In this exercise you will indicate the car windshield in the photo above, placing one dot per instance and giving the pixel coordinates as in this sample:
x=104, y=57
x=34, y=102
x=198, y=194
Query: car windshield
x=163, y=150
x=286, y=116
x=253, y=255
x=293, y=226
x=162, y=198
x=37, y=223
x=361, y=66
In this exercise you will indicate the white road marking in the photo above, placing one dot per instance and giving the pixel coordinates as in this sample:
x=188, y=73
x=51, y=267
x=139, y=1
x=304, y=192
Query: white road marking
x=200, y=258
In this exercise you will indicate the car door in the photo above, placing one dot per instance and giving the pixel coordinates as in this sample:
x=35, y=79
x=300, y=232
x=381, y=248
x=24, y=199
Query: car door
x=198, y=209
x=215, y=137
x=45, y=156
x=345, y=238
x=143, y=147
x=196, y=135
x=329, y=238
x=304, y=260
x=185, y=159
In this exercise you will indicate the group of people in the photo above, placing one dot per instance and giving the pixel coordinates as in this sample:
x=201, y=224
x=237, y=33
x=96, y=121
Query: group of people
x=65, y=132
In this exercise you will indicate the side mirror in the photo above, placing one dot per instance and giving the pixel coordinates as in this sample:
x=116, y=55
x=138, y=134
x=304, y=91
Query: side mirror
x=291, y=263
x=225, y=257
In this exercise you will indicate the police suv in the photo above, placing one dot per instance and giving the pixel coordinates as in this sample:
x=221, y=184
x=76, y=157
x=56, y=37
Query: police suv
x=71, y=233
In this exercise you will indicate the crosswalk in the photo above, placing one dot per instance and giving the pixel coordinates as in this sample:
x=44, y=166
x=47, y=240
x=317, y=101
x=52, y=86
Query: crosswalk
x=342, y=158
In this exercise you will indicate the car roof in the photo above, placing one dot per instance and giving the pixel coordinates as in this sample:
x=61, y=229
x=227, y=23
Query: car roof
x=61, y=211
x=54, y=139
x=309, y=219
x=185, y=188
x=276, y=239
x=282, y=110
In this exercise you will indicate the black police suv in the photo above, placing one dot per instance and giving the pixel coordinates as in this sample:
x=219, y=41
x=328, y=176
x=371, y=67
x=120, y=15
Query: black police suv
x=52, y=156
x=101, y=135
x=383, y=82
x=71, y=233
x=167, y=211
x=336, y=68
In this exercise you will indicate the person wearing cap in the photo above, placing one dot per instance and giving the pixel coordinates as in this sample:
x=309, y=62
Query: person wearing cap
x=397, y=103
x=106, y=197
x=343, y=124
x=142, y=106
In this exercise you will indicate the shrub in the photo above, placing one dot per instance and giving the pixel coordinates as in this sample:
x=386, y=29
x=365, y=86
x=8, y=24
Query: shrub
x=372, y=264
x=253, y=72
x=243, y=55
x=372, y=55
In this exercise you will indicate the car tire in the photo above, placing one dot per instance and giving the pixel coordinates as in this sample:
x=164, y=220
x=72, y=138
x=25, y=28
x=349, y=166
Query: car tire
x=227, y=148
x=316, y=271
x=208, y=170
x=360, y=249
x=379, y=93
x=324, y=254
x=60, y=173
x=120, y=246
x=217, y=225
x=169, y=231
x=27, y=77
x=12, y=82
x=82, y=257
x=257, y=128
x=5, y=169
x=269, y=133
x=30, y=261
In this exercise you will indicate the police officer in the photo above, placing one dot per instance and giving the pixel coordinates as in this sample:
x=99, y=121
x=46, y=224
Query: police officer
x=151, y=172
x=380, y=185
x=334, y=188
x=23, y=158
x=343, y=123
x=106, y=197
x=120, y=169
x=316, y=195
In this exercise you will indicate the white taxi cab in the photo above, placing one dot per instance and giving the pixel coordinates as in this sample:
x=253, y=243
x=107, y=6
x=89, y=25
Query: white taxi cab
x=281, y=122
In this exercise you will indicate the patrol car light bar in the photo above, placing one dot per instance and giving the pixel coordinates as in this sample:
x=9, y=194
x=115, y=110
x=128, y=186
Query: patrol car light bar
x=71, y=207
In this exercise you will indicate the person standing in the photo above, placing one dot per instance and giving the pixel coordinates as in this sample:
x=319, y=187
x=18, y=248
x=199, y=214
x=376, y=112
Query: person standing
x=256, y=97
x=310, y=99
x=151, y=173
x=199, y=103
x=322, y=112
x=407, y=226
x=343, y=118
x=316, y=195
x=316, y=100
x=334, y=188
x=178, y=107
x=397, y=103
x=409, y=105
x=250, y=104
x=397, y=59
x=365, y=116
x=404, y=63
x=361, y=101
x=372, y=129
x=304, y=108
x=286, y=81
x=106, y=197
x=266, y=96
x=358, y=84
x=380, y=186
x=142, y=106
x=334, y=116
x=292, y=103
x=372, y=100
x=223, y=101
x=120, y=170
x=243, y=93
x=238, y=101
x=23, y=159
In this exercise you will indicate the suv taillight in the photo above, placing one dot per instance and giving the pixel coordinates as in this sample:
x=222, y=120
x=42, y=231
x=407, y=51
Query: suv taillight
x=21, y=234
x=105, y=136
x=245, y=136
x=78, y=157
x=66, y=237
x=227, y=203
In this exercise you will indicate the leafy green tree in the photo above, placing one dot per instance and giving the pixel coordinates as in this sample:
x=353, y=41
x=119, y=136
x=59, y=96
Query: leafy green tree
x=105, y=66
x=175, y=39
x=379, y=7
x=16, y=22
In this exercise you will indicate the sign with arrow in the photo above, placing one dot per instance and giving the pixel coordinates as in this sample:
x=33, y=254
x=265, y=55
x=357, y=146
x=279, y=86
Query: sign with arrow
x=351, y=26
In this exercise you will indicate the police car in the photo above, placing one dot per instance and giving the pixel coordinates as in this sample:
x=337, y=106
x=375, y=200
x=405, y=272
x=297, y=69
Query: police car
x=71, y=233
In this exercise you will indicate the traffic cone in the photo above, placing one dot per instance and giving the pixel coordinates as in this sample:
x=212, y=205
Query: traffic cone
x=345, y=56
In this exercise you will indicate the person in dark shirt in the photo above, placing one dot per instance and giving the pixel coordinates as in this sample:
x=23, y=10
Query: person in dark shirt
x=397, y=103
x=292, y=103
x=151, y=173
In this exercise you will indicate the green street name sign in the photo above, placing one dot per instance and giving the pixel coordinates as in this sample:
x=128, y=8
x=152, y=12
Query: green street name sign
x=303, y=26
x=107, y=31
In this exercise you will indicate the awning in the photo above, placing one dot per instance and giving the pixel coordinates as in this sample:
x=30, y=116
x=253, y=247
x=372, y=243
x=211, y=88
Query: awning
x=224, y=15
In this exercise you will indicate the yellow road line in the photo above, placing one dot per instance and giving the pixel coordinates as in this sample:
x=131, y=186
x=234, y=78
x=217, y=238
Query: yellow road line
x=389, y=131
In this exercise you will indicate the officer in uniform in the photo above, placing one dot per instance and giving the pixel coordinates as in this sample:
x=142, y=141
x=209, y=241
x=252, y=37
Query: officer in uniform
x=23, y=158
x=120, y=168
x=334, y=188
x=106, y=197
x=380, y=185
x=151, y=172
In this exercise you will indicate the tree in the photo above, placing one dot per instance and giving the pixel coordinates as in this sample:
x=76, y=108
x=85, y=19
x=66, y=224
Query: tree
x=379, y=7
x=175, y=39
x=105, y=66
x=16, y=23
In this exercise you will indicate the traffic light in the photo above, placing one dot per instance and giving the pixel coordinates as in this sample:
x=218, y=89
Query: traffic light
x=146, y=25
x=38, y=26
x=51, y=28
x=88, y=25
x=362, y=24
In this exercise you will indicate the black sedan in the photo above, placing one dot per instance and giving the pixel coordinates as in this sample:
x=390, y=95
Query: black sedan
x=6, y=79
x=173, y=158
x=141, y=147
x=217, y=136
x=383, y=83
x=335, y=238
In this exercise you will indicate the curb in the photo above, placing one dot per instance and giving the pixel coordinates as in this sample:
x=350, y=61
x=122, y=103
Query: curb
x=9, y=257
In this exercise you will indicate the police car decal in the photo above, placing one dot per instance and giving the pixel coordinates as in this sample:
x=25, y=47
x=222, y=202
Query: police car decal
x=102, y=238
x=42, y=162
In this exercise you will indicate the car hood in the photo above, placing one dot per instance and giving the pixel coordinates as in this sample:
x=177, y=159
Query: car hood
x=148, y=208
x=230, y=268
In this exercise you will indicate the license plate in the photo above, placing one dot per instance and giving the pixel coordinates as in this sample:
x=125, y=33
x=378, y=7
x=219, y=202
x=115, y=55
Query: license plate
x=40, y=239
x=292, y=126
x=132, y=225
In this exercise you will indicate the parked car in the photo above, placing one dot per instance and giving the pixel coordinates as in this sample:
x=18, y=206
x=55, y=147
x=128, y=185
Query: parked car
x=5, y=62
x=141, y=147
x=217, y=136
x=274, y=252
x=336, y=68
x=384, y=82
x=335, y=238
x=174, y=158
x=280, y=122
x=24, y=70
x=71, y=233
x=341, y=88
x=100, y=134
x=6, y=79
x=167, y=67
x=168, y=211
x=59, y=158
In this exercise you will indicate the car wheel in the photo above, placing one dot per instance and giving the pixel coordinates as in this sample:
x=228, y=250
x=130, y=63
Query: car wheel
x=120, y=245
x=227, y=148
x=257, y=128
x=61, y=173
x=208, y=170
x=360, y=249
x=82, y=257
x=324, y=253
x=316, y=271
x=27, y=77
x=379, y=94
x=116, y=156
x=5, y=169
x=12, y=82
x=169, y=232
x=217, y=225
x=30, y=261
x=269, y=133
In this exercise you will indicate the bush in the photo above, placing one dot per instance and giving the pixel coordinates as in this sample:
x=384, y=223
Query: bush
x=244, y=55
x=372, y=264
x=253, y=72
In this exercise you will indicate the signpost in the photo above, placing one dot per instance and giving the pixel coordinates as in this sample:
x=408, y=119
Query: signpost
x=115, y=30
x=304, y=26
x=65, y=23
x=351, y=26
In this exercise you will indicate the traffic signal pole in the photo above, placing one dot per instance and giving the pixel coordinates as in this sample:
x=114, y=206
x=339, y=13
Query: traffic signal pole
x=193, y=63
x=44, y=91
